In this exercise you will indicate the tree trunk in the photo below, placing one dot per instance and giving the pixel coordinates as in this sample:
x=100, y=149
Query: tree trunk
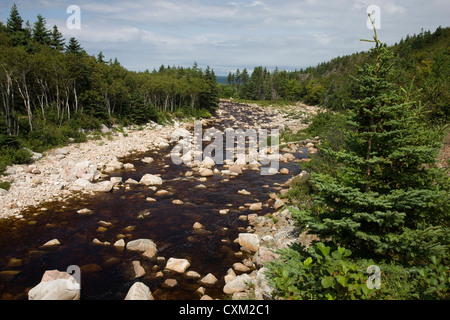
x=7, y=105
x=76, y=97
x=58, y=100
x=26, y=99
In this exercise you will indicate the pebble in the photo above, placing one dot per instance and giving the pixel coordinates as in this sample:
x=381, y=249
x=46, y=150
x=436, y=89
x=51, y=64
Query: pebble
x=57, y=170
x=256, y=206
x=240, y=267
x=85, y=212
x=50, y=244
x=209, y=280
x=192, y=275
x=198, y=226
x=170, y=283
x=177, y=265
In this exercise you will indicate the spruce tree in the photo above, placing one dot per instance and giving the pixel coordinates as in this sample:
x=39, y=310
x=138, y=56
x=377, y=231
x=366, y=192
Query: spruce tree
x=74, y=46
x=209, y=99
x=386, y=198
x=56, y=39
x=19, y=35
x=100, y=57
x=40, y=33
x=15, y=21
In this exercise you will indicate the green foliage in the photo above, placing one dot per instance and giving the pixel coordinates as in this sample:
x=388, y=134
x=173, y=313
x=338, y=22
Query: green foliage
x=187, y=112
x=10, y=156
x=299, y=190
x=40, y=34
x=434, y=280
x=332, y=128
x=320, y=273
x=56, y=39
x=5, y=185
x=73, y=47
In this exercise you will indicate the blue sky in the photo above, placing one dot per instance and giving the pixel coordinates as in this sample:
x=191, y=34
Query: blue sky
x=227, y=35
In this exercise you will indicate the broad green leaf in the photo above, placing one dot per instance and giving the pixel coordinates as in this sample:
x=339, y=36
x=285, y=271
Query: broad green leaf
x=336, y=255
x=423, y=273
x=308, y=261
x=342, y=280
x=324, y=249
x=365, y=289
x=329, y=296
x=327, y=282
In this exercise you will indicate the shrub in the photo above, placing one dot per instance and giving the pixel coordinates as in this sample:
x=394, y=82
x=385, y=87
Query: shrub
x=323, y=273
x=5, y=185
x=320, y=274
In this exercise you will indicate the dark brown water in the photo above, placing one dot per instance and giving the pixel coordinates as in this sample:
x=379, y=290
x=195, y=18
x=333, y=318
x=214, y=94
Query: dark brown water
x=168, y=225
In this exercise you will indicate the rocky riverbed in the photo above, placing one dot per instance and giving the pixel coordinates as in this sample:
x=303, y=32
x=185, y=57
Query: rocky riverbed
x=140, y=227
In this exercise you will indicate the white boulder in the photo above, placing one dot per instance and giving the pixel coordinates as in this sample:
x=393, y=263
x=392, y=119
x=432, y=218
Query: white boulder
x=177, y=265
x=150, y=180
x=249, y=241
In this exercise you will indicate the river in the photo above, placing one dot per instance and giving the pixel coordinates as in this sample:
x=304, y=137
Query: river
x=130, y=216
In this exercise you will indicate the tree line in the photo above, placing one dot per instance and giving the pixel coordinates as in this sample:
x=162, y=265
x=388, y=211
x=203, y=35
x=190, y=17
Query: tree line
x=420, y=62
x=50, y=87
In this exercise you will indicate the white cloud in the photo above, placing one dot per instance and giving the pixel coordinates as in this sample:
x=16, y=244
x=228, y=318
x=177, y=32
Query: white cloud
x=391, y=8
x=229, y=34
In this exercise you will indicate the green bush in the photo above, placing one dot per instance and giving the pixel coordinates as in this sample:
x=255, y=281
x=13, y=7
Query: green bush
x=323, y=273
x=433, y=281
x=11, y=156
x=8, y=141
x=331, y=127
x=70, y=132
x=46, y=137
x=196, y=113
x=320, y=274
x=5, y=185
x=299, y=190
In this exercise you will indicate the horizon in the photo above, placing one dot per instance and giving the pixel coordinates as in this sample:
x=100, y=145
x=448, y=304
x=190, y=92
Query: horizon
x=227, y=35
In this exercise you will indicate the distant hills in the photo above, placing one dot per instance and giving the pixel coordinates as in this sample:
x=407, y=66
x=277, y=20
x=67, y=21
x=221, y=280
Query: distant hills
x=420, y=65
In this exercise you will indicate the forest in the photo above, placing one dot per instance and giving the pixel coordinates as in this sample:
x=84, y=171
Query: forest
x=51, y=91
x=420, y=63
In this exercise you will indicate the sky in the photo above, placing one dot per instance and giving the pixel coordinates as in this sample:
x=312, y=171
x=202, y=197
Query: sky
x=227, y=35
